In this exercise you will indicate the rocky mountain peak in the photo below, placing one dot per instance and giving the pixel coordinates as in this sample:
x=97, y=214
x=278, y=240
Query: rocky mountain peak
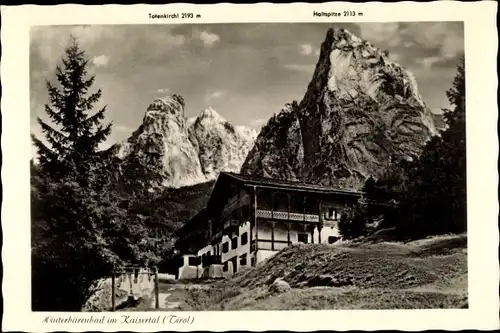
x=220, y=145
x=288, y=108
x=350, y=66
x=165, y=112
x=342, y=38
x=168, y=104
x=246, y=131
x=361, y=111
x=173, y=151
x=210, y=113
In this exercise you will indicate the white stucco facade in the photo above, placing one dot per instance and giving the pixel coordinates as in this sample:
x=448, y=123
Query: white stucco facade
x=235, y=249
x=252, y=219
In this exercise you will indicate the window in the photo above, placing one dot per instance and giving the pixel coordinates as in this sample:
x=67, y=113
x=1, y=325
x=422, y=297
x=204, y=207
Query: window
x=252, y=261
x=136, y=275
x=234, y=243
x=332, y=239
x=193, y=261
x=234, y=261
x=225, y=268
x=244, y=238
x=225, y=247
x=332, y=214
x=243, y=260
x=302, y=238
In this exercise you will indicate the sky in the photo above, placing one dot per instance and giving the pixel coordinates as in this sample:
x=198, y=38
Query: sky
x=246, y=72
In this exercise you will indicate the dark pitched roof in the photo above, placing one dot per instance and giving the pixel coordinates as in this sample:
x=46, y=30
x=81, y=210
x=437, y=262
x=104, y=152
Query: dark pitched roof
x=190, y=224
x=288, y=185
x=247, y=180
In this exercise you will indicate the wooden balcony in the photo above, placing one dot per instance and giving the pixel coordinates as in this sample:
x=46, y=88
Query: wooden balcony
x=230, y=227
x=287, y=216
x=211, y=260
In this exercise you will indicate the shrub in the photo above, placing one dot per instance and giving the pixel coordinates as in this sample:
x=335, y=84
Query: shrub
x=353, y=223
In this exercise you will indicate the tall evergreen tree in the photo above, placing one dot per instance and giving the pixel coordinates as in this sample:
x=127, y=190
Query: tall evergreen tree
x=71, y=221
x=436, y=195
x=74, y=136
x=456, y=97
x=428, y=196
x=454, y=140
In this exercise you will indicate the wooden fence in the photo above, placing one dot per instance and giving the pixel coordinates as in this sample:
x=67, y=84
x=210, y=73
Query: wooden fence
x=135, y=275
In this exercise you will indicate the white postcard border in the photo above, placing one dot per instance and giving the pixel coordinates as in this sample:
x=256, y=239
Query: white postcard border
x=481, y=45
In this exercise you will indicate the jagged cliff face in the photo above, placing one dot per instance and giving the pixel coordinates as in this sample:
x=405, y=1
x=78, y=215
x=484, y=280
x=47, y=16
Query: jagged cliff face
x=360, y=112
x=168, y=150
x=278, y=151
x=161, y=145
x=220, y=145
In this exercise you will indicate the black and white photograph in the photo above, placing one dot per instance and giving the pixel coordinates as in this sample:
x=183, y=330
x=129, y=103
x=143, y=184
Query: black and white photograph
x=248, y=167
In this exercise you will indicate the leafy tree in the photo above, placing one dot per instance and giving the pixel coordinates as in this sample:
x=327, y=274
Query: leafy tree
x=69, y=249
x=78, y=235
x=73, y=138
x=354, y=222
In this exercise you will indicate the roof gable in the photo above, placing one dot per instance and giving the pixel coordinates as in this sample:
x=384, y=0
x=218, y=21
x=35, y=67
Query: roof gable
x=287, y=185
x=220, y=192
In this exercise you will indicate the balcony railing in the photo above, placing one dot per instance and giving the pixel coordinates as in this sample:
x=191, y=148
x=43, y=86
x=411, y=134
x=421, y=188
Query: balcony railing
x=278, y=215
x=211, y=260
x=231, y=223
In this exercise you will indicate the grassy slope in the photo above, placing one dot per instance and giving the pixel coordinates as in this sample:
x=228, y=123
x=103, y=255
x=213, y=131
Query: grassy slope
x=429, y=273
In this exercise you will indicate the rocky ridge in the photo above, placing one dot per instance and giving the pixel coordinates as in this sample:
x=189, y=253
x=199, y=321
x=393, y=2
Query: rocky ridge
x=220, y=145
x=174, y=151
x=361, y=112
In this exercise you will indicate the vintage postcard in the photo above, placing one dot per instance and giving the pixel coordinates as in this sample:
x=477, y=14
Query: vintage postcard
x=250, y=167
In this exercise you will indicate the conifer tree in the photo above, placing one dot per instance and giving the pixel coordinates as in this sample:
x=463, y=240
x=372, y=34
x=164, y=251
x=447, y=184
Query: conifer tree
x=454, y=140
x=430, y=192
x=75, y=133
x=456, y=97
x=436, y=195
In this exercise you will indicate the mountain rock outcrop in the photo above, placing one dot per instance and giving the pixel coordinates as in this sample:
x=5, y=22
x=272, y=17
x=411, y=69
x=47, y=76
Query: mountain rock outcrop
x=161, y=145
x=361, y=112
x=220, y=145
x=278, y=151
x=168, y=150
x=439, y=121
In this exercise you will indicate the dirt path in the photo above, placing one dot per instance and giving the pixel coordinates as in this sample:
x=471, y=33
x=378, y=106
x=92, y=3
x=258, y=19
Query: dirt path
x=173, y=297
x=164, y=301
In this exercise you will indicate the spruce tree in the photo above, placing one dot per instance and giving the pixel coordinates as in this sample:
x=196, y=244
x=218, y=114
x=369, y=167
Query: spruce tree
x=454, y=140
x=436, y=196
x=74, y=136
x=430, y=192
x=456, y=97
